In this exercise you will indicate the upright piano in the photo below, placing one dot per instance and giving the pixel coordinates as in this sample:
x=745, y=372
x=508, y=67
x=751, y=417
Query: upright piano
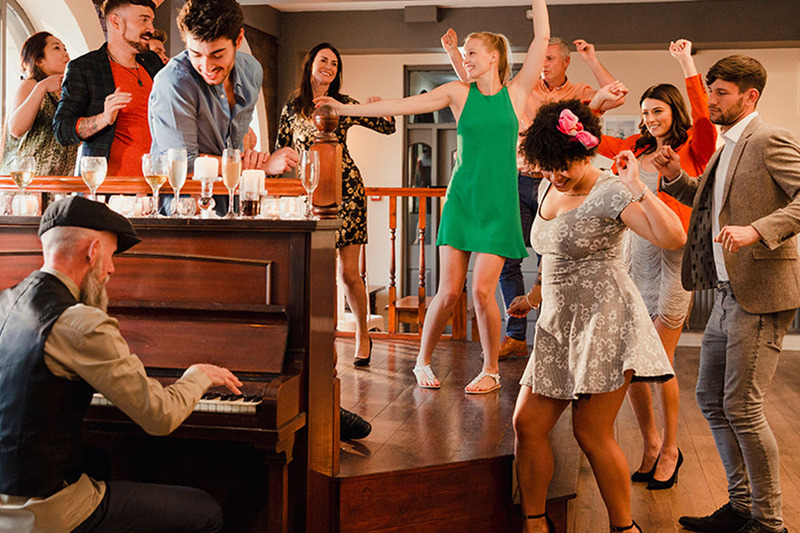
x=255, y=296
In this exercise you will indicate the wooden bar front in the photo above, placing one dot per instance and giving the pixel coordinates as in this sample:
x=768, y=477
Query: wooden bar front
x=213, y=291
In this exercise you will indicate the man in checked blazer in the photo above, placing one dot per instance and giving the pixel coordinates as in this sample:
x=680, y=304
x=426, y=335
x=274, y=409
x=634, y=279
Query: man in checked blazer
x=105, y=92
x=741, y=241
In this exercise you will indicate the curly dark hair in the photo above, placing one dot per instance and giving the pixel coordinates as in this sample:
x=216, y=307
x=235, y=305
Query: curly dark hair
x=681, y=123
x=543, y=145
x=209, y=20
x=304, y=94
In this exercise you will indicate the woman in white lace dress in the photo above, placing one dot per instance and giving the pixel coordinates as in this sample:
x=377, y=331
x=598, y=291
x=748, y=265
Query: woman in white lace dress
x=594, y=335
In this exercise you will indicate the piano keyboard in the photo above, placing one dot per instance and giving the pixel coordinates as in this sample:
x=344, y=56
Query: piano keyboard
x=211, y=402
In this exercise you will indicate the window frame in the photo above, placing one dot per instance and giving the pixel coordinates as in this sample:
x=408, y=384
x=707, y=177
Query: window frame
x=6, y=7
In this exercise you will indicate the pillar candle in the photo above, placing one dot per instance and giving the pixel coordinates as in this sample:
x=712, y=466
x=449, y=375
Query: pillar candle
x=252, y=181
x=206, y=167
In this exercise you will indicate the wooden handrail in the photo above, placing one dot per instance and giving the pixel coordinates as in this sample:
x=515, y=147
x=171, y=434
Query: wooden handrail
x=277, y=187
x=137, y=185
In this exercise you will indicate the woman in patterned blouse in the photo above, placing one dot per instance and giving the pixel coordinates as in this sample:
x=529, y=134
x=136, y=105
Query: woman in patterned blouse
x=322, y=76
x=43, y=59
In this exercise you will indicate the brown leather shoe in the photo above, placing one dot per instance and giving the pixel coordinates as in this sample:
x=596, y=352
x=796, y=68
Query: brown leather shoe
x=511, y=347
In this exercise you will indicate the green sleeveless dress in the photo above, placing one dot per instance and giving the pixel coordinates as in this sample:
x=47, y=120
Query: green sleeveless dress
x=481, y=208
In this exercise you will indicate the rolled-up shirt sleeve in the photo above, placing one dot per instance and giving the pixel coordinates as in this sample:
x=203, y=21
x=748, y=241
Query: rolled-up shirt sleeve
x=172, y=114
x=86, y=343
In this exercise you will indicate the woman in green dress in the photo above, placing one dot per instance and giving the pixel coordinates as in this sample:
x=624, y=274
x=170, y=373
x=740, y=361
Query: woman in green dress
x=480, y=213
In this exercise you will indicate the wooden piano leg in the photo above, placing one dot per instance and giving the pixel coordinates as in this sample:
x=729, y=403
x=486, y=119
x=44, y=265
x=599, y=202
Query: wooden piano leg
x=278, y=497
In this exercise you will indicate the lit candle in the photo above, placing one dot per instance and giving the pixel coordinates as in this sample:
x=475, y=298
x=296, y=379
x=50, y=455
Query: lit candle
x=252, y=181
x=205, y=167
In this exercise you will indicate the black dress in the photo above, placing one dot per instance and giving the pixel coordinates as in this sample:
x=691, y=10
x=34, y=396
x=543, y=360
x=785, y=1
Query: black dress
x=297, y=130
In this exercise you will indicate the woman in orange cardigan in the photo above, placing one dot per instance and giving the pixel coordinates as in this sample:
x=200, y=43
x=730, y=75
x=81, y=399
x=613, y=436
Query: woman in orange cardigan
x=656, y=272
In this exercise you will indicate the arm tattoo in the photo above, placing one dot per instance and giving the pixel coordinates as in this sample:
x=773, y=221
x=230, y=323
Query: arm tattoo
x=88, y=126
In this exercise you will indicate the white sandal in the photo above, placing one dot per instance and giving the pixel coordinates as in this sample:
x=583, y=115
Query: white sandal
x=495, y=377
x=426, y=373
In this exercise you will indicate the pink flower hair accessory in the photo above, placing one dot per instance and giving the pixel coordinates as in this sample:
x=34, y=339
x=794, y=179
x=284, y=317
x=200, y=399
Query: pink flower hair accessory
x=570, y=125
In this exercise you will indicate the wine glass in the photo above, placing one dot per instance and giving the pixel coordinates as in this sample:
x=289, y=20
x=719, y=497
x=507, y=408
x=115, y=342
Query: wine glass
x=177, y=174
x=155, y=169
x=308, y=169
x=231, y=169
x=22, y=169
x=93, y=172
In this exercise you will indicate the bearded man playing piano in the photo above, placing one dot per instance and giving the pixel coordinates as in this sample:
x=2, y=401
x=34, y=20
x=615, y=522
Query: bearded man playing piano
x=57, y=346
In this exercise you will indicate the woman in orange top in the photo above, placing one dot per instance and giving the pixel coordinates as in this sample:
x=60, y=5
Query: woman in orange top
x=656, y=272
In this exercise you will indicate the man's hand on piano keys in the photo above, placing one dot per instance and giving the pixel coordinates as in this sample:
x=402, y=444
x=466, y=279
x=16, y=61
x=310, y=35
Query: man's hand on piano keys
x=220, y=377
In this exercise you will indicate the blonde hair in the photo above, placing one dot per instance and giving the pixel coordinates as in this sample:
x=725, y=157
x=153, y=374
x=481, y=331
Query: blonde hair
x=496, y=42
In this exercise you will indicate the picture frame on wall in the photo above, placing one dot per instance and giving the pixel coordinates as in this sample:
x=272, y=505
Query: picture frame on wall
x=621, y=126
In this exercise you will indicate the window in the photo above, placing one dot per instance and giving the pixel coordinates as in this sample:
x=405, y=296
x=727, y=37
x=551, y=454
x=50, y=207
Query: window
x=16, y=28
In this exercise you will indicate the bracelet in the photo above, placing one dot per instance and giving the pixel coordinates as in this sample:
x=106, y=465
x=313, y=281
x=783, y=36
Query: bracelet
x=641, y=196
x=529, y=302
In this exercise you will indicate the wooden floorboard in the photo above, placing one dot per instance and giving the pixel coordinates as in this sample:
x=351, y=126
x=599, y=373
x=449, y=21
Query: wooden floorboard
x=701, y=485
x=416, y=428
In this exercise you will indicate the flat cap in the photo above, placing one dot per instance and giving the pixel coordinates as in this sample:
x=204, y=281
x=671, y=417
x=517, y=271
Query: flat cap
x=77, y=211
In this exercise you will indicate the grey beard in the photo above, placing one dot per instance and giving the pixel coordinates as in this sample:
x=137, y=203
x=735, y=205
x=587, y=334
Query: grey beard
x=93, y=291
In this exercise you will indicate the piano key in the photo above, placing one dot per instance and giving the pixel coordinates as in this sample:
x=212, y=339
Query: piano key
x=234, y=404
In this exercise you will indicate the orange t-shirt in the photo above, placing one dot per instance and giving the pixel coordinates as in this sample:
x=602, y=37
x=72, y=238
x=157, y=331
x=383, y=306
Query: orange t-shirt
x=132, y=132
x=541, y=94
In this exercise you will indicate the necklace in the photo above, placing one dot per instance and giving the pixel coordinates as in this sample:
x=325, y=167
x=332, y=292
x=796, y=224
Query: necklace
x=576, y=194
x=136, y=68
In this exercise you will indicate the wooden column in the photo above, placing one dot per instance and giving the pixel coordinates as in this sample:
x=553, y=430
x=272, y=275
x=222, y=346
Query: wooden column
x=328, y=195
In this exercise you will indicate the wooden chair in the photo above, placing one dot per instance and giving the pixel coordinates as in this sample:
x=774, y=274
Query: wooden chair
x=407, y=308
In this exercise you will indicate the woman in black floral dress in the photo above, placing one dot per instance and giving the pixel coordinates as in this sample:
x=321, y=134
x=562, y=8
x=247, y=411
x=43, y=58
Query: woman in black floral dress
x=322, y=76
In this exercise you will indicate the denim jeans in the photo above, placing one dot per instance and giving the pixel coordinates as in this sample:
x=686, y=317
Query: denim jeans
x=511, y=282
x=738, y=358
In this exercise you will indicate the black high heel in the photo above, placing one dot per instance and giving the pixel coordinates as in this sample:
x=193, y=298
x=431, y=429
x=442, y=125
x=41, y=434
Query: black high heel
x=551, y=527
x=628, y=528
x=655, y=484
x=644, y=477
x=364, y=361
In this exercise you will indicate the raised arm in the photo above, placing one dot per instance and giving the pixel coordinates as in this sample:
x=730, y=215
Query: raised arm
x=703, y=142
x=647, y=215
x=681, y=50
x=450, y=45
x=587, y=53
x=521, y=86
x=434, y=100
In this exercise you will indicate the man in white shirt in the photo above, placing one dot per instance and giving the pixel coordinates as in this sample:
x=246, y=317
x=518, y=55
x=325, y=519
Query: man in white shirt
x=741, y=241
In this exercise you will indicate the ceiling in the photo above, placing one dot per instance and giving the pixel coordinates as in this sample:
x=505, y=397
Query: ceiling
x=366, y=5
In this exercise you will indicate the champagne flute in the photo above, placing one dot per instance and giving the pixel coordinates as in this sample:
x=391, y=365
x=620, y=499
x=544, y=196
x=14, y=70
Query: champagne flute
x=231, y=169
x=308, y=168
x=177, y=174
x=22, y=170
x=93, y=172
x=155, y=170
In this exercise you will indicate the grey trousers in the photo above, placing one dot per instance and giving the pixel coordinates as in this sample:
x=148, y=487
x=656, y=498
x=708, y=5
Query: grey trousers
x=738, y=358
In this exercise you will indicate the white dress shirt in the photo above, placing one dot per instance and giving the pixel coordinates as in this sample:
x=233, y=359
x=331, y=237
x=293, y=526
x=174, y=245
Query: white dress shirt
x=731, y=137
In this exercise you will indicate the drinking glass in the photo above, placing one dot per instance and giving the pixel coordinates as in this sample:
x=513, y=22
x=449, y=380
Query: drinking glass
x=93, y=172
x=231, y=169
x=22, y=169
x=177, y=174
x=155, y=168
x=308, y=170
